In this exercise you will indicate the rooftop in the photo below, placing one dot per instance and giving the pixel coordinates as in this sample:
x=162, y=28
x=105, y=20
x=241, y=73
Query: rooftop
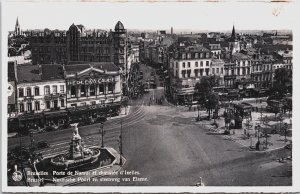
x=78, y=66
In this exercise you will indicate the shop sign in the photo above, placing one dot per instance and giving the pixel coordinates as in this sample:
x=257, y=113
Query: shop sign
x=12, y=115
x=90, y=81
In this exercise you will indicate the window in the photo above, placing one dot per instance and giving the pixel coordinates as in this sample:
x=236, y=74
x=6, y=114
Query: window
x=110, y=87
x=207, y=63
x=29, y=106
x=73, y=91
x=21, y=92
x=48, y=104
x=183, y=72
x=206, y=71
x=189, y=55
x=213, y=70
x=196, y=55
x=196, y=64
x=36, y=105
x=47, y=90
x=102, y=101
x=189, y=64
x=201, y=63
x=189, y=73
x=21, y=107
x=54, y=89
x=28, y=91
x=183, y=56
x=221, y=70
x=101, y=88
x=82, y=91
x=176, y=64
x=183, y=64
x=36, y=91
x=196, y=72
x=61, y=89
x=201, y=55
x=62, y=103
x=217, y=70
x=93, y=103
x=207, y=55
x=55, y=103
x=92, y=90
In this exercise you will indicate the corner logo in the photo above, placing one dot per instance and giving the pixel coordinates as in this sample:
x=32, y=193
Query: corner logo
x=17, y=176
x=10, y=89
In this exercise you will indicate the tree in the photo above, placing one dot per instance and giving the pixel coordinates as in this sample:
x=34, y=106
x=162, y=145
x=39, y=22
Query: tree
x=212, y=103
x=204, y=88
x=282, y=82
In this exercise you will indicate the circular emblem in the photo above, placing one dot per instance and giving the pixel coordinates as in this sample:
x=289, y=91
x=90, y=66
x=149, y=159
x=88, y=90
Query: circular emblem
x=17, y=176
x=10, y=89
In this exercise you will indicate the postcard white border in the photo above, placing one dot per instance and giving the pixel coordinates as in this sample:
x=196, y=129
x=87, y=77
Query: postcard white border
x=294, y=21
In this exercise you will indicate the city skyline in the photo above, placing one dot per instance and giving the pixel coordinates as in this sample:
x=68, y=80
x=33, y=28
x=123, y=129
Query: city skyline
x=272, y=16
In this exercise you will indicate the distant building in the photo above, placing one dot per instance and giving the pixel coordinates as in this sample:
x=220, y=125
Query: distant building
x=188, y=65
x=17, y=31
x=78, y=44
x=234, y=44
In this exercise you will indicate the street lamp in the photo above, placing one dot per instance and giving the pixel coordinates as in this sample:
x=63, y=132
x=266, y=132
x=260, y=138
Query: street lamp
x=101, y=130
x=121, y=144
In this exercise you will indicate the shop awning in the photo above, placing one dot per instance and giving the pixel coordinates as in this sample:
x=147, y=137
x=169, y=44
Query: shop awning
x=59, y=113
x=31, y=116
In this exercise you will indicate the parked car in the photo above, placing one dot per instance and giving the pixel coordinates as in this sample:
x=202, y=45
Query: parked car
x=42, y=144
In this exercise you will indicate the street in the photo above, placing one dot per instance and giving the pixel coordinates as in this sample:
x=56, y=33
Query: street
x=168, y=148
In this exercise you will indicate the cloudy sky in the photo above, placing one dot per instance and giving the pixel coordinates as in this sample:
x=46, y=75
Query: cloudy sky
x=145, y=15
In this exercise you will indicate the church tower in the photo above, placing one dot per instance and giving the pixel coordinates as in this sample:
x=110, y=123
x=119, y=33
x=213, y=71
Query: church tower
x=234, y=44
x=17, y=28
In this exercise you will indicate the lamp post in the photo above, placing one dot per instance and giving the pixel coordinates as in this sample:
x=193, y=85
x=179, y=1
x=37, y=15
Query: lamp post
x=121, y=144
x=101, y=130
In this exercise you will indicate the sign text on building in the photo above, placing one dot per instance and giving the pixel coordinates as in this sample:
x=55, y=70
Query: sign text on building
x=90, y=81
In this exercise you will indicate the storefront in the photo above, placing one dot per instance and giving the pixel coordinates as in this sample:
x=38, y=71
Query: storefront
x=92, y=84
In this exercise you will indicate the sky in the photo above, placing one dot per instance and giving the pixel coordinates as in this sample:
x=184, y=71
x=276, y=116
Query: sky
x=151, y=16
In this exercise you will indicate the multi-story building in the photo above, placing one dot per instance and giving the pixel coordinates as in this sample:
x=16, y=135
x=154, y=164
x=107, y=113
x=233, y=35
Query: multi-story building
x=91, y=84
x=39, y=89
x=53, y=94
x=217, y=69
x=78, y=44
x=262, y=70
x=237, y=71
x=187, y=66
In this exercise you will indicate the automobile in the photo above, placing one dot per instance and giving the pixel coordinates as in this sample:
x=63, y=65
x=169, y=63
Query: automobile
x=100, y=119
x=42, y=144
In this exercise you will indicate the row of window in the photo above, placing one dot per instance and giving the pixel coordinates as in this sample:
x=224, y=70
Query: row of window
x=37, y=90
x=29, y=105
x=217, y=70
x=188, y=65
x=198, y=72
x=91, y=90
x=93, y=103
x=195, y=55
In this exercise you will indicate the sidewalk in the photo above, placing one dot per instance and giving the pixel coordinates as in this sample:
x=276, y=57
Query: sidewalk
x=274, y=141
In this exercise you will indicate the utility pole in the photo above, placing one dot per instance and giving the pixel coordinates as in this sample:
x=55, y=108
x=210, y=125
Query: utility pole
x=121, y=144
x=102, y=134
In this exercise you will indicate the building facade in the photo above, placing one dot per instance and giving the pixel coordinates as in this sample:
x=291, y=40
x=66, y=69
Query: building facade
x=79, y=44
x=187, y=66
